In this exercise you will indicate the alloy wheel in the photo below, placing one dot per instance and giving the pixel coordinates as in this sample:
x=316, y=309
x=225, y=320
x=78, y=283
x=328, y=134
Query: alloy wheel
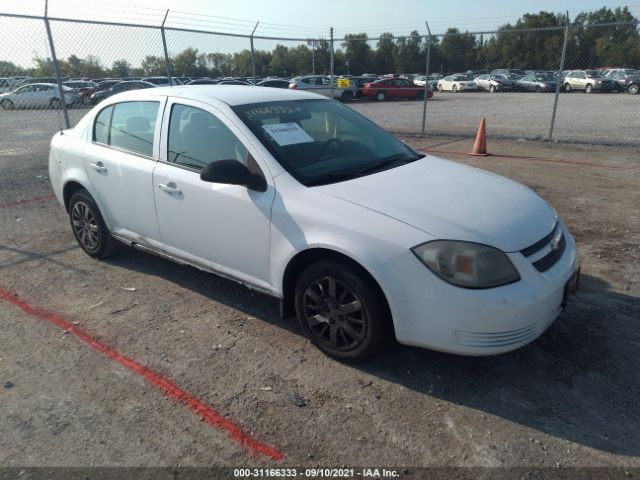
x=85, y=226
x=334, y=314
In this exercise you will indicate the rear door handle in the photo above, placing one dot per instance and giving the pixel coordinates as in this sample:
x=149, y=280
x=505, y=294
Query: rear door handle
x=170, y=188
x=98, y=167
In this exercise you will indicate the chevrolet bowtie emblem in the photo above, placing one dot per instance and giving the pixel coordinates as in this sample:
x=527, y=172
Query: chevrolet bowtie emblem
x=555, y=243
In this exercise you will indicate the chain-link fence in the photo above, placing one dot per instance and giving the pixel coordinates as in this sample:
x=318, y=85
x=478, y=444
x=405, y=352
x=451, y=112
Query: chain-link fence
x=569, y=82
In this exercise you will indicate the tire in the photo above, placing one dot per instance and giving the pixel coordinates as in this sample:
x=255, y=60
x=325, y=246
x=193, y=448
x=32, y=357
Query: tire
x=440, y=89
x=455, y=89
x=493, y=89
x=355, y=320
x=346, y=97
x=567, y=87
x=7, y=105
x=588, y=88
x=381, y=96
x=633, y=89
x=55, y=103
x=88, y=226
x=538, y=89
x=420, y=95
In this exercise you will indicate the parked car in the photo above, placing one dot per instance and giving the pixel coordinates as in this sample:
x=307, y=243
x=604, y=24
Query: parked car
x=233, y=82
x=204, y=81
x=83, y=90
x=588, y=81
x=161, y=81
x=537, y=82
x=626, y=79
x=30, y=80
x=361, y=237
x=274, y=83
x=357, y=85
x=321, y=84
x=119, y=88
x=37, y=95
x=495, y=83
x=389, y=88
x=5, y=85
x=457, y=82
x=510, y=73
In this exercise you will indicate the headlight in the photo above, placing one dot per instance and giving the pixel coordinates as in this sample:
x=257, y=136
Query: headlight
x=467, y=264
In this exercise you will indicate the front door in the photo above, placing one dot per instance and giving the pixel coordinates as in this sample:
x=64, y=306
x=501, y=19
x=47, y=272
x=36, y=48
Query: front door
x=222, y=227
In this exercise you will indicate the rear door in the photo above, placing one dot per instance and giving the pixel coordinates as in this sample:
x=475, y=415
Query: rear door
x=120, y=162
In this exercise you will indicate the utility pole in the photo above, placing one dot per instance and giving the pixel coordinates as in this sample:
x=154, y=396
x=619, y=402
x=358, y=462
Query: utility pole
x=559, y=82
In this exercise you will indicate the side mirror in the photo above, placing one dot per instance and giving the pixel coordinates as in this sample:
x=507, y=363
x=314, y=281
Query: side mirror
x=232, y=172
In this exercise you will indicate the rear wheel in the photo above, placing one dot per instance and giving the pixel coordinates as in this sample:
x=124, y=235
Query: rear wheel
x=346, y=97
x=381, y=96
x=538, y=89
x=588, y=88
x=342, y=311
x=567, y=87
x=455, y=89
x=440, y=89
x=7, y=105
x=633, y=89
x=420, y=95
x=88, y=226
x=55, y=103
x=493, y=89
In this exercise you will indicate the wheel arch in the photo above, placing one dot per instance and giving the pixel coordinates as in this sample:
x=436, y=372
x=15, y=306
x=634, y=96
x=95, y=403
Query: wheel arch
x=303, y=259
x=69, y=188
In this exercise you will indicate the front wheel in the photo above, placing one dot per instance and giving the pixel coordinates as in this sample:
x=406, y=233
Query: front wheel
x=346, y=97
x=567, y=87
x=493, y=89
x=633, y=89
x=7, y=105
x=88, y=226
x=588, y=89
x=342, y=311
x=55, y=103
x=381, y=96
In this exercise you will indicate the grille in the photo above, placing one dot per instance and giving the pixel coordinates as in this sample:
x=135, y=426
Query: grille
x=550, y=259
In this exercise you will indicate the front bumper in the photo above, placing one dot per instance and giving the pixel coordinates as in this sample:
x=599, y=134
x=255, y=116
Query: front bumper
x=430, y=313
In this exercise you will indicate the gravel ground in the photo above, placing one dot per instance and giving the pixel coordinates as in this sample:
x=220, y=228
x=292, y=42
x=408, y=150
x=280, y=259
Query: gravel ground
x=569, y=399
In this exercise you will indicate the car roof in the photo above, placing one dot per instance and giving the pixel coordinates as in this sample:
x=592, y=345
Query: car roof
x=230, y=94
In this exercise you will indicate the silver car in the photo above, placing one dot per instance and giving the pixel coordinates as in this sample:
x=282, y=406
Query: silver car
x=321, y=84
x=494, y=83
x=37, y=95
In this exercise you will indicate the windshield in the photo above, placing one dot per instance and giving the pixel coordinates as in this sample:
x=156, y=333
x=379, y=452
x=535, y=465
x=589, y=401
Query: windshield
x=594, y=74
x=542, y=76
x=462, y=77
x=323, y=141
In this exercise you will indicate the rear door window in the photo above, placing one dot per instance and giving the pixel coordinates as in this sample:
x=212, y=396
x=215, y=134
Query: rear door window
x=128, y=125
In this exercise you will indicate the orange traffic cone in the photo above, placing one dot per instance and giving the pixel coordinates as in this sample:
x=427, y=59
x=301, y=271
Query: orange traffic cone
x=480, y=147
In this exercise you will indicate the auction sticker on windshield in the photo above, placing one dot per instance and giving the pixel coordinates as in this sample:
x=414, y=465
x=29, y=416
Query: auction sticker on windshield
x=287, y=133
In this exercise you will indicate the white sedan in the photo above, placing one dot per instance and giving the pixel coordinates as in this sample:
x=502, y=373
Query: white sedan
x=456, y=83
x=37, y=95
x=300, y=197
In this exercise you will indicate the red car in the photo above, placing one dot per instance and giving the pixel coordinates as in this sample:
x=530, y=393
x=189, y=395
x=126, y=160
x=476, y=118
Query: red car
x=394, y=88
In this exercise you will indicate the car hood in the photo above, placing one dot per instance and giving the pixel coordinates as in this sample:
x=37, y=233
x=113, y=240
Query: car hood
x=449, y=200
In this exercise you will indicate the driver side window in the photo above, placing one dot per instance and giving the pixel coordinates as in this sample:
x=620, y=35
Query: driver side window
x=197, y=138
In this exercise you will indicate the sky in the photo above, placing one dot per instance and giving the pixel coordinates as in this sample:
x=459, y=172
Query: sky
x=22, y=40
x=289, y=18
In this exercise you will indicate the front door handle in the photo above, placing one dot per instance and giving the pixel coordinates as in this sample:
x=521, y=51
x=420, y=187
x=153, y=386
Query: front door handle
x=98, y=167
x=170, y=188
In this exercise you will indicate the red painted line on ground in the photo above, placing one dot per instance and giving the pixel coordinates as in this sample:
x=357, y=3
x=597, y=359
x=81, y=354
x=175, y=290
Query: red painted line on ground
x=539, y=159
x=166, y=386
x=24, y=201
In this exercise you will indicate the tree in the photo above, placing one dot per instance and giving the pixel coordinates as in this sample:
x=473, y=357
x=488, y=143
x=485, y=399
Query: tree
x=385, y=54
x=458, y=51
x=120, y=68
x=152, y=66
x=358, y=53
x=408, y=56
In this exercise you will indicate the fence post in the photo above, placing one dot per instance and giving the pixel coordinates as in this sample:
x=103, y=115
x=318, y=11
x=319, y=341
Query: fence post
x=313, y=57
x=331, y=60
x=56, y=67
x=559, y=85
x=167, y=60
x=253, y=54
x=426, y=82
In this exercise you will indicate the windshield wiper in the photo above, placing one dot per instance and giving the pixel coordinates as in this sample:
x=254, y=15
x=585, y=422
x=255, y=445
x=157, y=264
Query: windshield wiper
x=386, y=162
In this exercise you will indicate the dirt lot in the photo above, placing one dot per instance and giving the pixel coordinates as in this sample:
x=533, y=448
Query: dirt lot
x=572, y=398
